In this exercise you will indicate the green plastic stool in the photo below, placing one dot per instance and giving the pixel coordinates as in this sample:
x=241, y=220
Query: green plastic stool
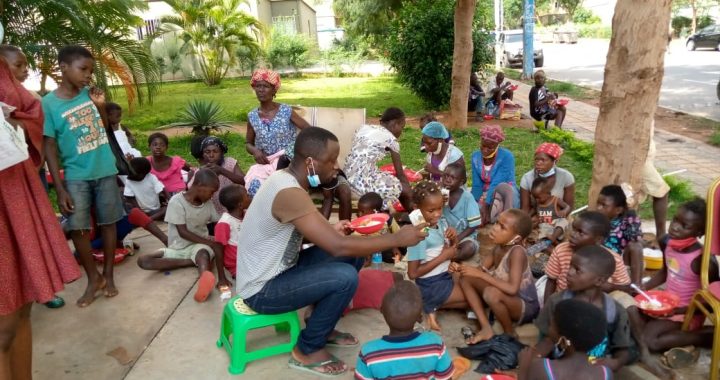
x=238, y=324
x=540, y=124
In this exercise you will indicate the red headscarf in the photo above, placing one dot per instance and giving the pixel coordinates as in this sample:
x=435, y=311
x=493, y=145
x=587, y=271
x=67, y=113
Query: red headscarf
x=266, y=75
x=492, y=133
x=28, y=110
x=551, y=149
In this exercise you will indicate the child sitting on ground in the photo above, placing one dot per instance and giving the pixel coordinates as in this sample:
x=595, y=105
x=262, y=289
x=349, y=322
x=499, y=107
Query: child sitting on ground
x=625, y=232
x=188, y=214
x=123, y=135
x=428, y=261
x=440, y=154
x=503, y=280
x=372, y=203
x=169, y=170
x=404, y=353
x=143, y=189
x=589, y=228
x=590, y=268
x=576, y=327
x=235, y=200
x=550, y=212
x=681, y=275
x=461, y=211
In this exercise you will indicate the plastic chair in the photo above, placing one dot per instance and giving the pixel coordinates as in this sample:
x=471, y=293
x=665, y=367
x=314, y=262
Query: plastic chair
x=237, y=321
x=707, y=299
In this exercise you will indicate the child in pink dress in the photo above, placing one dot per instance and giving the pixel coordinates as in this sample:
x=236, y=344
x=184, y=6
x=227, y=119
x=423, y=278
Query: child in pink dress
x=167, y=169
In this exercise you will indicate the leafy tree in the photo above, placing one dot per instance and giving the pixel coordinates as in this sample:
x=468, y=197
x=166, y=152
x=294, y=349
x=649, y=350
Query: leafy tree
x=585, y=16
x=41, y=27
x=212, y=31
x=248, y=59
x=698, y=8
x=570, y=6
x=167, y=53
x=289, y=50
x=513, y=11
x=367, y=18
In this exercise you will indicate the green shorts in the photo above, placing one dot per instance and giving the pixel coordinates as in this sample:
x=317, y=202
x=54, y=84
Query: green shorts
x=189, y=252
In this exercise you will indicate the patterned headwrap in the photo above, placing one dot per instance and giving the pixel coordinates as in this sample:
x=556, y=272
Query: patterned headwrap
x=435, y=130
x=212, y=140
x=551, y=149
x=492, y=133
x=266, y=75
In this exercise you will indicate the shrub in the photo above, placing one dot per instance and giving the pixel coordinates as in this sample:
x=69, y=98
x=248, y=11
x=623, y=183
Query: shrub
x=594, y=31
x=289, y=50
x=340, y=55
x=420, y=48
x=585, y=16
x=680, y=22
x=202, y=116
x=248, y=59
x=703, y=21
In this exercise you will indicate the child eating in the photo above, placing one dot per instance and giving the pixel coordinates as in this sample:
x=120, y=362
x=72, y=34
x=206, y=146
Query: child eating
x=461, y=211
x=550, y=211
x=503, y=281
x=372, y=203
x=235, y=200
x=428, y=261
x=576, y=327
x=188, y=214
x=167, y=169
x=143, y=189
x=590, y=268
x=404, y=353
x=439, y=153
x=625, y=232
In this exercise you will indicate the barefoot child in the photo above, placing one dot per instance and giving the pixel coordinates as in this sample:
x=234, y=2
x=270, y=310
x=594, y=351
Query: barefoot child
x=625, y=232
x=404, y=353
x=188, y=215
x=461, y=211
x=167, y=169
x=76, y=141
x=681, y=276
x=428, y=261
x=576, y=327
x=590, y=268
x=503, y=281
x=236, y=200
x=143, y=189
x=551, y=212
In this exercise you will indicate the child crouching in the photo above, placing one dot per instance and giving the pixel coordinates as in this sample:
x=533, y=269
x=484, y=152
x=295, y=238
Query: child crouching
x=188, y=214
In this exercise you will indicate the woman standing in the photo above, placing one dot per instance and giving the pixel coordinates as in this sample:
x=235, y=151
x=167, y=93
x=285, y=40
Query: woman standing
x=493, y=173
x=561, y=180
x=35, y=260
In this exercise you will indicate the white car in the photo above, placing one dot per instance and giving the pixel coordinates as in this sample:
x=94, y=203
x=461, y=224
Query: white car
x=510, y=48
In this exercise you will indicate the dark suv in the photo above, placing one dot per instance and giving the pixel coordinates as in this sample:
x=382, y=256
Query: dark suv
x=707, y=37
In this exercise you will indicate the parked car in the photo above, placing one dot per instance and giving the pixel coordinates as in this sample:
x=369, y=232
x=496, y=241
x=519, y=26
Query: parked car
x=707, y=37
x=510, y=48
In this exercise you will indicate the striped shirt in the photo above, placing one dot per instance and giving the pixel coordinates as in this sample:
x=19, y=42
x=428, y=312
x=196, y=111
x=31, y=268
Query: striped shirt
x=415, y=356
x=558, y=267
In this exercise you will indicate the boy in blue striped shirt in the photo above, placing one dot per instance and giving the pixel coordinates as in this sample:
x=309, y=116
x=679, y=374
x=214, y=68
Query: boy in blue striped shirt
x=404, y=353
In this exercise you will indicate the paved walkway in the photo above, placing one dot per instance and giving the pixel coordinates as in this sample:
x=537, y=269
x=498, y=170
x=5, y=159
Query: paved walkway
x=674, y=152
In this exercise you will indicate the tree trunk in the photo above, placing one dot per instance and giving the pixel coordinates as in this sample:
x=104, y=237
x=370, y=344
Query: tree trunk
x=693, y=25
x=633, y=75
x=462, y=63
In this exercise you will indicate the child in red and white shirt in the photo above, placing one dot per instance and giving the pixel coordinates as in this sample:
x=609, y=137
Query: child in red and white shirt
x=236, y=200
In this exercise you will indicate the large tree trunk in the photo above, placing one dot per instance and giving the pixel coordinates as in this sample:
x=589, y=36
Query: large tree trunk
x=633, y=75
x=462, y=63
x=693, y=25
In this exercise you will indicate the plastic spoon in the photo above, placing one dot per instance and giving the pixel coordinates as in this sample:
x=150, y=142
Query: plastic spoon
x=653, y=301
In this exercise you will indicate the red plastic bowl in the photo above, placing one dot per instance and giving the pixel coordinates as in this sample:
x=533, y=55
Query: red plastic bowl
x=398, y=206
x=562, y=101
x=488, y=117
x=497, y=376
x=411, y=175
x=668, y=300
x=369, y=224
x=120, y=254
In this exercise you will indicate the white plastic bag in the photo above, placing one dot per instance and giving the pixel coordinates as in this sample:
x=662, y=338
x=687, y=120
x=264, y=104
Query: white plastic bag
x=13, y=148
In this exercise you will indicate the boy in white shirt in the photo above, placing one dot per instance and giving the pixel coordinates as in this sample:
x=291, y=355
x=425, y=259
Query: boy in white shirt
x=143, y=189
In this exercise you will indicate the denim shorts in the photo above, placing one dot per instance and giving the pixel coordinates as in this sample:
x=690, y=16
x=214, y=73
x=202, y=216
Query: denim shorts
x=102, y=196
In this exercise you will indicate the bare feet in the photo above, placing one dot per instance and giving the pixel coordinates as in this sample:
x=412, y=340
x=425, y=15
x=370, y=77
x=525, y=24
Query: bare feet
x=432, y=322
x=656, y=368
x=319, y=361
x=92, y=288
x=484, y=334
x=110, y=289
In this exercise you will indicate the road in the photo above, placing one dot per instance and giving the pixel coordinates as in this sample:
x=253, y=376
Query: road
x=690, y=78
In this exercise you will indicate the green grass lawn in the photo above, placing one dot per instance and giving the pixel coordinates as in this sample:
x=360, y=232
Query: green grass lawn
x=237, y=98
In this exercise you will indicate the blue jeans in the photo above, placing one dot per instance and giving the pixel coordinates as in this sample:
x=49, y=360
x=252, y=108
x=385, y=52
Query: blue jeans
x=318, y=279
x=101, y=195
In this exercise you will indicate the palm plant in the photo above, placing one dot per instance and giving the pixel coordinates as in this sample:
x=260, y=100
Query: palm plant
x=202, y=116
x=41, y=27
x=212, y=31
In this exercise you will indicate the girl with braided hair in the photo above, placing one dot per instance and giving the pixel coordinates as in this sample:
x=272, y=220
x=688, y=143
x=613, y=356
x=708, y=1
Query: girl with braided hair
x=429, y=260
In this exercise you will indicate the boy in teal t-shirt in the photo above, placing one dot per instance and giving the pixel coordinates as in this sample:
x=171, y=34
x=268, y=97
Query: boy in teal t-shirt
x=74, y=132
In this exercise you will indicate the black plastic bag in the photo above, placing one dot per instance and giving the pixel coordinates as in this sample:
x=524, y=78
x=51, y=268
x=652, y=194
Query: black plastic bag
x=498, y=353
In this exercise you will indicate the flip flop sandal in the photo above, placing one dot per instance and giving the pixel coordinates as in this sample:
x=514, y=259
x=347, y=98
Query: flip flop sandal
x=313, y=367
x=55, y=303
x=205, y=286
x=342, y=337
x=461, y=365
x=681, y=357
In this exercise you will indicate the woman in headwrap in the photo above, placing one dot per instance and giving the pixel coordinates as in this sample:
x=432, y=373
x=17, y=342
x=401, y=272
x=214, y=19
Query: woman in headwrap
x=227, y=168
x=440, y=154
x=493, y=175
x=561, y=180
x=272, y=126
x=35, y=260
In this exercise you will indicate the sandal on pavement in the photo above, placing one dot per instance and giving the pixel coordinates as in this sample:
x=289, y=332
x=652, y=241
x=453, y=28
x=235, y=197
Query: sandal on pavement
x=681, y=357
x=314, y=367
x=55, y=303
x=205, y=286
x=340, y=337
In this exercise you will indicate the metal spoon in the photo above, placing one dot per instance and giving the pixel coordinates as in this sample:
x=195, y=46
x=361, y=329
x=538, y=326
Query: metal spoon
x=653, y=301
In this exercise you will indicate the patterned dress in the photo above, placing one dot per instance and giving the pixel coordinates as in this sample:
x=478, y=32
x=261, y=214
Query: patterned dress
x=370, y=145
x=272, y=136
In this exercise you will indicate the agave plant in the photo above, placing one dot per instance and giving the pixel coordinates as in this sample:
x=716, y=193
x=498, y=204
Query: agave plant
x=202, y=116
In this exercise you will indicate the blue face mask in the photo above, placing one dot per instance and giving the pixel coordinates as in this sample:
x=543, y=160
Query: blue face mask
x=549, y=173
x=313, y=179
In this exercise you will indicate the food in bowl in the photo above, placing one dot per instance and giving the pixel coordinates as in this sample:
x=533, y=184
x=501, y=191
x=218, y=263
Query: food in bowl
x=650, y=305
